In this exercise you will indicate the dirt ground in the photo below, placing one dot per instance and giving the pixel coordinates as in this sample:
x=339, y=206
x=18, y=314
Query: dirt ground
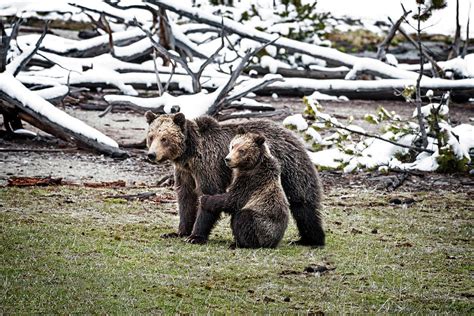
x=47, y=156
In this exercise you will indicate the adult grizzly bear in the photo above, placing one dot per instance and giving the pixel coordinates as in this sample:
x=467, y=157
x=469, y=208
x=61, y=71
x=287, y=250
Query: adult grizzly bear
x=255, y=198
x=197, y=149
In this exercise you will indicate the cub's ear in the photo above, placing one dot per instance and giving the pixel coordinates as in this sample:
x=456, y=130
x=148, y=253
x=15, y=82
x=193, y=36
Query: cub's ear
x=150, y=116
x=241, y=130
x=179, y=119
x=259, y=140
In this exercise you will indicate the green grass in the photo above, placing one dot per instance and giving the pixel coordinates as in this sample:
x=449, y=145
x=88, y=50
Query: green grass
x=71, y=250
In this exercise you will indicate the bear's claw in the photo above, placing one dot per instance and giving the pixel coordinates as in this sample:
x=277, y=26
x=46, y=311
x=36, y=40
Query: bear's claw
x=303, y=242
x=196, y=240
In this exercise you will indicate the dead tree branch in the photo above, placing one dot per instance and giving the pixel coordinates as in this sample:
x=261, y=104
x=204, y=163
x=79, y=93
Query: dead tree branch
x=436, y=68
x=221, y=99
x=25, y=58
x=424, y=137
x=457, y=36
x=466, y=43
x=382, y=48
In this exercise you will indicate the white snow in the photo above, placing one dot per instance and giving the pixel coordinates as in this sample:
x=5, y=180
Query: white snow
x=273, y=64
x=52, y=92
x=297, y=121
x=330, y=158
x=316, y=95
x=315, y=136
x=463, y=67
x=432, y=108
x=22, y=131
x=251, y=102
x=465, y=132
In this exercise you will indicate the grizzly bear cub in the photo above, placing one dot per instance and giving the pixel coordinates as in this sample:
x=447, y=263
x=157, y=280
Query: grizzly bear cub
x=255, y=199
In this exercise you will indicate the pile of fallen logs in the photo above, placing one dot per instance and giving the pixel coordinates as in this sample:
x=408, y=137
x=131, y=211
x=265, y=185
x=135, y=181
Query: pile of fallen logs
x=208, y=65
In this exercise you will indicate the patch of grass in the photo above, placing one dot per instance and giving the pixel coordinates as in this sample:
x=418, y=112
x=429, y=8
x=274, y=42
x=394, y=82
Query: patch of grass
x=71, y=250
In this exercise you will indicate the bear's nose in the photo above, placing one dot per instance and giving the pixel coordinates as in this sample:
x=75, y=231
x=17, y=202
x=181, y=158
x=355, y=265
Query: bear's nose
x=227, y=159
x=152, y=156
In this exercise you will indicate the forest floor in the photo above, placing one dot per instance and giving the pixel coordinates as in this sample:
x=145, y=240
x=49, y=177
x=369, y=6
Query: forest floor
x=397, y=243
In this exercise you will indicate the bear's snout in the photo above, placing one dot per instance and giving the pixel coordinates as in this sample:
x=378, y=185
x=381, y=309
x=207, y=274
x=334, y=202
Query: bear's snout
x=228, y=161
x=152, y=156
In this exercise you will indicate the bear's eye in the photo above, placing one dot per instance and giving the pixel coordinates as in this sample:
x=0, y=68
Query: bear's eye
x=163, y=139
x=240, y=151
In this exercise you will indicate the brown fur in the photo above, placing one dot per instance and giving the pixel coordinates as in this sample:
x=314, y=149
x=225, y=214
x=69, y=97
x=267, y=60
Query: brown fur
x=255, y=199
x=197, y=149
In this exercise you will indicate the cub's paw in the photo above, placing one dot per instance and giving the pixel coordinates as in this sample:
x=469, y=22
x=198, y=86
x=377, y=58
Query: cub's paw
x=205, y=201
x=210, y=203
x=196, y=240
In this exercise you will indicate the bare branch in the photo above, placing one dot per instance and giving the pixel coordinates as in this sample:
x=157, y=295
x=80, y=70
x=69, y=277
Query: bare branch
x=466, y=43
x=419, y=115
x=158, y=81
x=106, y=26
x=438, y=70
x=243, y=93
x=391, y=34
x=25, y=59
x=234, y=76
x=5, y=42
x=457, y=36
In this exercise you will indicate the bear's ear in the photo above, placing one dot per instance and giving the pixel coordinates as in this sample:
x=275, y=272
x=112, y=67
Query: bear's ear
x=179, y=119
x=241, y=130
x=150, y=116
x=259, y=140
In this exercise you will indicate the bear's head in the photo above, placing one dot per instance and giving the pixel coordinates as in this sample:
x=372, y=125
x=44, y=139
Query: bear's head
x=245, y=150
x=166, y=136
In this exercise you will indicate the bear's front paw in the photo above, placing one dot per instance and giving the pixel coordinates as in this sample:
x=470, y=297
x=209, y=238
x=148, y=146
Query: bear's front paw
x=196, y=240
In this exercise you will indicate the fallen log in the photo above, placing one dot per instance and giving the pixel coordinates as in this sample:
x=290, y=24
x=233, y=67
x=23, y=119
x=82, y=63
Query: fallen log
x=368, y=89
x=316, y=73
x=82, y=48
x=42, y=114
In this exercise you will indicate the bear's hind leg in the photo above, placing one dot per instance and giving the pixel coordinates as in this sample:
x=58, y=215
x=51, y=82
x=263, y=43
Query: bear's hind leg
x=250, y=232
x=309, y=224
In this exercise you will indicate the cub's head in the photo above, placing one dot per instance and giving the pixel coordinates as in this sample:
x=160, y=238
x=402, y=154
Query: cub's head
x=166, y=138
x=245, y=150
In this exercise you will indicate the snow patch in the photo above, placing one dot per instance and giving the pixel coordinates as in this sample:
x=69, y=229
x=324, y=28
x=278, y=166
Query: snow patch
x=296, y=121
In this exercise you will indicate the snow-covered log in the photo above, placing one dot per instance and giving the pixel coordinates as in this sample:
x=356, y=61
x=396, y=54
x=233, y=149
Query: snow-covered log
x=331, y=55
x=82, y=48
x=370, y=89
x=315, y=72
x=42, y=114
x=53, y=94
x=197, y=104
